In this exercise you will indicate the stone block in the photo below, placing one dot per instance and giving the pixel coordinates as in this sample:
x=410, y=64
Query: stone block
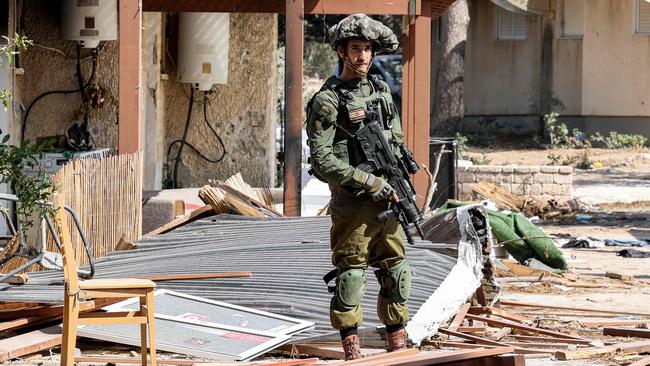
x=563, y=178
x=502, y=178
x=535, y=189
x=522, y=178
x=490, y=169
x=566, y=190
x=519, y=189
x=533, y=169
x=551, y=189
x=565, y=169
x=466, y=177
x=521, y=169
x=548, y=169
x=543, y=178
x=507, y=169
x=485, y=177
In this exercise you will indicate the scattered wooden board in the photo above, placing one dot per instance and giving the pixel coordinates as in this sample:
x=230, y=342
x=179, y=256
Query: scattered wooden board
x=513, y=325
x=524, y=304
x=618, y=276
x=458, y=318
x=642, y=362
x=627, y=332
x=621, y=348
x=31, y=342
x=192, y=216
x=499, y=312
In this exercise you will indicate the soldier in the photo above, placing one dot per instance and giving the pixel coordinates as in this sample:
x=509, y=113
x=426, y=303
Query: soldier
x=358, y=238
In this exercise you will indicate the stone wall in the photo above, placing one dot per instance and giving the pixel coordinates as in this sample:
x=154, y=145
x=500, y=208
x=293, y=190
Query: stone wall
x=541, y=182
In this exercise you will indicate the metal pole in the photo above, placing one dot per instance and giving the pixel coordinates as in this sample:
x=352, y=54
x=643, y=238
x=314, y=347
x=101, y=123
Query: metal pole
x=295, y=35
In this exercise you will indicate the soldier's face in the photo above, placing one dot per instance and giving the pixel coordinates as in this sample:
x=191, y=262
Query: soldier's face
x=360, y=53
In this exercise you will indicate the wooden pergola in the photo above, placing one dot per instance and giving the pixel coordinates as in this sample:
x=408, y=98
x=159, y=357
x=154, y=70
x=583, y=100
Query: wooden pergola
x=416, y=68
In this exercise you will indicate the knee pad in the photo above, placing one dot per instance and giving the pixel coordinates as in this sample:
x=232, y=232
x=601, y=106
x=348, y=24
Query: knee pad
x=350, y=287
x=395, y=282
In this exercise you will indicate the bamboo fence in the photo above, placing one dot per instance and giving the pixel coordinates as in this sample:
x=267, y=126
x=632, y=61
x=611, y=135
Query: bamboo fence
x=106, y=194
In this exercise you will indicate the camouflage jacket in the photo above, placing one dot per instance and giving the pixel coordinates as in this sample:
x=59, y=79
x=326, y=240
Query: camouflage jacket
x=331, y=123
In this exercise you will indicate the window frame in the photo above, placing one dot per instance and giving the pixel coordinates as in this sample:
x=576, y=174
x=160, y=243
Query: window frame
x=637, y=14
x=497, y=28
x=561, y=31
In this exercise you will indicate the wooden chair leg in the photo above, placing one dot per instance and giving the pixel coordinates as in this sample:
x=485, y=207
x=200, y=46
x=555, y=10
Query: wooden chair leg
x=152, y=328
x=69, y=335
x=143, y=331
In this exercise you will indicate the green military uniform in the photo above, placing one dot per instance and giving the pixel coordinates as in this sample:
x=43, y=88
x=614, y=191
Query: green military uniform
x=358, y=238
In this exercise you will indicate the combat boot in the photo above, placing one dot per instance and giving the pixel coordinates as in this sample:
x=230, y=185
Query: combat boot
x=351, y=347
x=396, y=341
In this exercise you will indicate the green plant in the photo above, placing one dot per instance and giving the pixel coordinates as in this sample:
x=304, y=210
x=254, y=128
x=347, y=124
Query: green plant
x=584, y=162
x=482, y=160
x=19, y=167
x=461, y=146
x=554, y=158
x=617, y=140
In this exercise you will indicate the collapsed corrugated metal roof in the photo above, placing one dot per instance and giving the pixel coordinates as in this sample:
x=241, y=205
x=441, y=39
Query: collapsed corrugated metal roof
x=287, y=256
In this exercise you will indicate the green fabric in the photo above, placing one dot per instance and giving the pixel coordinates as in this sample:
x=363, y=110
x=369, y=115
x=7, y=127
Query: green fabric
x=538, y=241
x=519, y=249
x=360, y=240
x=363, y=27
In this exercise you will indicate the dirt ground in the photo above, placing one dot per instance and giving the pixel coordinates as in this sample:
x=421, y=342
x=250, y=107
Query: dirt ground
x=617, y=195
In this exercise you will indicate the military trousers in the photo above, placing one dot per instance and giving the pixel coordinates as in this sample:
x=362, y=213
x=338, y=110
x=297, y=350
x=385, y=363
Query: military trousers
x=359, y=239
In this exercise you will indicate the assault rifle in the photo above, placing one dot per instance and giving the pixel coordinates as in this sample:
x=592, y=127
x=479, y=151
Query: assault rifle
x=381, y=161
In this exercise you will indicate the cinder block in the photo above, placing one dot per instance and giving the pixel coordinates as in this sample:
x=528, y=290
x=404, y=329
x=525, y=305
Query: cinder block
x=548, y=169
x=543, y=178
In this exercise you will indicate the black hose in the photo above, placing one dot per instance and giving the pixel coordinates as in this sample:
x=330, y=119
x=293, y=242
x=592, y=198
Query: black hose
x=92, y=77
x=80, y=81
x=183, y=139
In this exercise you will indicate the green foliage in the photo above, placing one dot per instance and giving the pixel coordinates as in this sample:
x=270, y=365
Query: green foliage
x=617, y=140
x=482, y=160
x=461, y=146
x=17, y=161
x=319, y=60
x=584, y=162
x=555, y=159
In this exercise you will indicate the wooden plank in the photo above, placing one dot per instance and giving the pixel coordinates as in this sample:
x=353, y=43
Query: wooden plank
x=501, y=333
x=322, y=350
x=619, y=276
x=642, y=362
x=550, y=339
x=383, y=358
x=434, y=358
x=472, y=329
x=130, y=71
x=43, y=311
x=458, y=318
x=304, y=361
x=590, y=310
x=627, y=332
x=605, y=323
x=477, y=310
x=17, y=305
x=471, y=338
x=500, y=196
x=513, y=325
x=501, y=360
x=621, y=349
x=192, y=216
x=518, y=350
x=136, y=361
x=31, y=342
x=196, y=276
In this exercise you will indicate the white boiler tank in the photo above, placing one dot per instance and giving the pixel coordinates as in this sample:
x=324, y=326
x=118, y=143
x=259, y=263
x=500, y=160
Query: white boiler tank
x=89, y=21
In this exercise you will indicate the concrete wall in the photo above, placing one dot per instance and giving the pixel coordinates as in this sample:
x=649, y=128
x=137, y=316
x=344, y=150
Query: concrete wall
x=243, y=111
x=616, y=62
x=47, y=70
x=501, y=77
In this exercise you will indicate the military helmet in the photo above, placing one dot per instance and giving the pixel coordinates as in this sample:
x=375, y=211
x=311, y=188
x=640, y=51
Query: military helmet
x=363, y=27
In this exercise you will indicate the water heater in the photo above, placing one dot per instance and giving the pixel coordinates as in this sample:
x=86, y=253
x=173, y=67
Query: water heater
x=203, y=49
x=89, y=21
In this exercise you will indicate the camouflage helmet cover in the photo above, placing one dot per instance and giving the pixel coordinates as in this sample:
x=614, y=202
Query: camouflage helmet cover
x=364, y=27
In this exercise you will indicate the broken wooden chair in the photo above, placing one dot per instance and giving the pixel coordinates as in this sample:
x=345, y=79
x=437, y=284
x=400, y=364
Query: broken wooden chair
x=76, y=290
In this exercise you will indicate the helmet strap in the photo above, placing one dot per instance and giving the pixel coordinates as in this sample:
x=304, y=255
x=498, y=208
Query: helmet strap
x=358, y=70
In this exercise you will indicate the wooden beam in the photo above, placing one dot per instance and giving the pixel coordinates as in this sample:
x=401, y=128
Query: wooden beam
x=31, y=342
x=513, y=325
x=197, y=276
x=295, y=37
x=590, y=310
x=192, y=216
x=416, y=89
x=501, y=360
x=393, y=7
x=458, y=319
x=621, y=349
x=627, y=332
x=130, y=88
x=642, y=362
x=498, y=312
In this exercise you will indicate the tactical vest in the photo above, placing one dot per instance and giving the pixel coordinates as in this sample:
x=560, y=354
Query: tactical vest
x=353, y=110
